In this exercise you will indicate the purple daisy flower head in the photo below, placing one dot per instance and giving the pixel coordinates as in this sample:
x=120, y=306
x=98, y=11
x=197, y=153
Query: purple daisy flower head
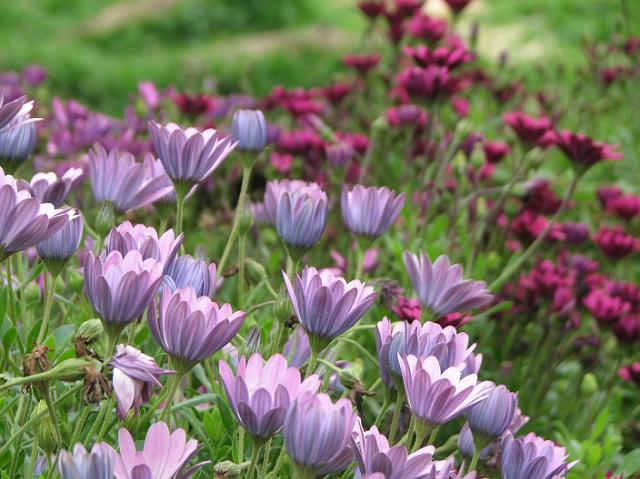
x=189, y=156
x=24, y=221
x=121, y=287
x=18, y=133
x=385, y=334
x=370, y=211
x=186, y=271
x=275, y=189
x=97, y=464
x=493, y=416
x=118, y=179
x=134, y=375
x=190, y=328
x=301, y=216
x=532, y=457
x=9, y=110
x=437, y=396
x=49, y=188
x=128, y=237
x=441, y=287
x=59, y=248
x=317, y=434
x=297, y=349
x=165, y=455
x=261, y=391
x=375, y=455
x=249, y=128
x=326, y=305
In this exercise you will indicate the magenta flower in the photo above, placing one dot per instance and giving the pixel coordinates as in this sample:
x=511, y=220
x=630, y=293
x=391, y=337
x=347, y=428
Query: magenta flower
x=189, y=156
x=441, y=287
x=121, y=287
x=191, y=328
x=317, y=434
x=431, y=83
x=97, y=464
x=49, y=188
x=425, y=27
x=605, y=307
x=134, y=375
x=406, y=115
x=260, y=392
x=625, y=206
x=326, y=305
x=631, y=373
x=583, y=151
x=370, y=211
x=532, y=457
x=186, y=271
x=24, y=221
x=363, y=64
x=437, y=396
x=457, y=5
x=450, y=57
x=165, y=455
x=494, y=151
x=530, y=130
x=615, y=243
x=301, y=216
x=375, y=455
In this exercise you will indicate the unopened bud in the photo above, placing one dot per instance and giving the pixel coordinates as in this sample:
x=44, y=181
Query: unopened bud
x=71, y=369
x=227, y=469
x=32, y=292
x=90, y=331
x=105, y=219
x=245, y=222
x=282, y=309
x=75, y=280
x=589, y=385
x=251, y=343
x=44, y=430
x=254, y=270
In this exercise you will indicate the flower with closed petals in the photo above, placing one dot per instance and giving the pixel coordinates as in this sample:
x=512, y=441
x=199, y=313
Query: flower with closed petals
x=532, y=457
x=583, y=151
x=530, y=130
x=441, y=287
x=615, y=243
x=24, y=221
x=121, y=287
x=457, y=5
x=49, y=188
x=249, y=129
x=186, y=271
x=58, y=249
x=97, y=464
x=370, y=211
x=326, y=305
x=134, y=376
x=18, y=133
x=317, y=434
x=433, y=83
x=191, y=328
x=164, y=455
x=493, y=416
x=189, y=156
x=301, y=216
x=605, y=307
x=437, y=396
x=260, y=392
x=375, y=455
x=275, y=189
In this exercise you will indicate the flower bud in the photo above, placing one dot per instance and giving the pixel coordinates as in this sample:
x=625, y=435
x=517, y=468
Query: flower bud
x=75, y=281
x=105, y=219
x=282, y=309
x=17, y=144
x=251, y=343
x=589, y=385
x=90, y=331
x=32, y=292
x=71, y=369
x=491, y=417
x=249, y=129
x=227, y=469
x=44, y=430
x=255, y=271
x=245, y=222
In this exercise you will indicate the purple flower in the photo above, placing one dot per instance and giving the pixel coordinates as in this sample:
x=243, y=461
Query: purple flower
x=60, y=247
x=191, y=328
x=121, y=287
x=189, y=156
x=275, y=189
x=297, y=349
x=370, y=211
x=532, y=457
x=24, y=221
x=118, y=179
x=437, y=396
x=317, y=434
x=374, y=455
x=134, y=375
x=385, y=334
x=441, y=287
x=186, y=271
x=326, y=305
x=260, y=392
x=18, y=133
x=164, y=455
x=9, y=111
x=249, y=128
x=97, y=464
x=493, y=416
x=301, y=216
x=48, y=188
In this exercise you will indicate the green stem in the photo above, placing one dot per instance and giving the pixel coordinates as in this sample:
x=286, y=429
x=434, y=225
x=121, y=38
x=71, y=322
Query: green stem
x=52, y=413
x=359, y=259
x=98, y=421
x=10, y=292
x=241, y=433
x=166, y=413
x=383, y=409
x=106, y=421
x=265, y=459
x=254, y=460
x=313, y=359
x=280, y=461
x=246, y=174
x=396, y=417
x=33, y=457
x=474, y=460
x=433, y=435
x=79, y=426
x=242, y=240
x=50, y=286
x=180, y=197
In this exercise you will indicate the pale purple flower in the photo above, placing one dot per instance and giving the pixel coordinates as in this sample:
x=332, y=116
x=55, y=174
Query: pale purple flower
x=385, y=333
x=191, y=328
x=370, y=211
x=97, y=464
x=189, y=156
x=117, y=178
x=186, y=271
x=261, y=391
x=275, y=189
x=326, y=305
x=301, y=216
x=121, y=287
x=317, y=434
x=249, y=128
x=9, y=110
x=63, y=244
x=466, y=444
x=18, y=135
x=164, y=455
x=532, y=457
x=493, y=416
x=24, y=221
x=297, y=349
x=374, y=454
x=437, y=396
x=49, y=188
x=134, y=375
x=441, y=287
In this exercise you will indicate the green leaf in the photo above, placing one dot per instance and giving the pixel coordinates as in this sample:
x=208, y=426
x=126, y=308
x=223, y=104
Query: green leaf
x=630, y=464
x=3, y=304
x=226, y=415
x=600, y=424
x=9, y=337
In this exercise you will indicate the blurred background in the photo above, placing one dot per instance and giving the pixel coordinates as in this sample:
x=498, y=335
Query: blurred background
x=97, y=51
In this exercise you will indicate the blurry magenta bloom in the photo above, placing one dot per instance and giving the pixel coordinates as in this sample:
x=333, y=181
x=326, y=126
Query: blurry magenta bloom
x=18, y=133
x=532, y=457
x=97, y=464
x=326, y=305
x=441, y=287
x=583, y=151
x=615, y=243
x=370, y=211
x=530, y=130
x=185, y=271
x=260, y=392
x=118, y=179
x=59, y=248
x=191, y=328
x=249, y=129
x=34, y=75
x=457, y=5
x=121, y=287
x=301, y=217
x=128, y=237
x=494, y=151
x=375, y=455
x=437, y=396
x=134, y=376
x=317, y=434
x=339, y=154
x=189, y=156
x=48, y=188
x=165, y=455
x=606, y=308
x=433, y=83
x=493, y=416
